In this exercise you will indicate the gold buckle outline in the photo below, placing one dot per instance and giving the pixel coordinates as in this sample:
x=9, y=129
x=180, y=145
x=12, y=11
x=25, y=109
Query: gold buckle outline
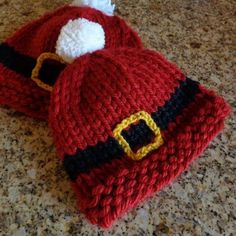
x=35, y=72
x=143, y=151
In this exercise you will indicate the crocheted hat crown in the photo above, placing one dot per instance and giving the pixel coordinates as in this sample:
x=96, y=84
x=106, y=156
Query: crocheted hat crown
x=126, y=122
x=105, y=87
x=17, y=62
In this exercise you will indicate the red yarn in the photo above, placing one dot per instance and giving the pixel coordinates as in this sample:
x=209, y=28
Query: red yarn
x=40, y=36
x=96, y=93
x=111, y=86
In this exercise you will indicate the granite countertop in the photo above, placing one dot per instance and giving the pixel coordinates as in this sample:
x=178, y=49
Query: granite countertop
x=35, y=197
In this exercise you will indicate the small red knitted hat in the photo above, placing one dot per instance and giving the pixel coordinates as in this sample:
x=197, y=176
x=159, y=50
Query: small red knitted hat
x=19, y=54
x=126, y=122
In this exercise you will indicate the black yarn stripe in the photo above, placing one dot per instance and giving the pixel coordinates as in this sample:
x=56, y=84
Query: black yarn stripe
x=182, y=96
x=23, y=64
x=15, y=61
x=136, y=135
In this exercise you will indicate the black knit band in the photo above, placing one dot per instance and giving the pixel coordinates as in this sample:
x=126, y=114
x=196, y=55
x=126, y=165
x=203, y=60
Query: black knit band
x=23, y=65
x=137, y=135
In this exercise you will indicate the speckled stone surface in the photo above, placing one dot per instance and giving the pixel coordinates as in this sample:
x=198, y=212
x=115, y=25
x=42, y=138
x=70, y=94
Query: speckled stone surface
x=35, y=198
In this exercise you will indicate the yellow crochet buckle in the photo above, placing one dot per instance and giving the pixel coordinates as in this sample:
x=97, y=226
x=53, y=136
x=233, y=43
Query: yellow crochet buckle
x=142, y=152
x=35, y=72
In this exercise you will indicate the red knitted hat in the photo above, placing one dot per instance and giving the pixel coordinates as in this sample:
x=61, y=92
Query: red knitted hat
x=18, y=54
x=126, y=122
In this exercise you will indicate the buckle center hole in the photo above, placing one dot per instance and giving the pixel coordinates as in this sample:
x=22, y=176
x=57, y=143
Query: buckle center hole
x=138, y=134
x=50, y=71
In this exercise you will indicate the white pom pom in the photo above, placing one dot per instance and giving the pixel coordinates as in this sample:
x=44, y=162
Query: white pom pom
x=102, y=5
x=79, y=37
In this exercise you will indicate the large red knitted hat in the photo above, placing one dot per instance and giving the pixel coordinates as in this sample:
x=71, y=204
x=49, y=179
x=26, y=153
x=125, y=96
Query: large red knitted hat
x=20, y=52
x=126, y=122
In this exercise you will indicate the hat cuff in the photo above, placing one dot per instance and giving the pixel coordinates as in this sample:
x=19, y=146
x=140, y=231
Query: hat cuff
x=21, y=94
